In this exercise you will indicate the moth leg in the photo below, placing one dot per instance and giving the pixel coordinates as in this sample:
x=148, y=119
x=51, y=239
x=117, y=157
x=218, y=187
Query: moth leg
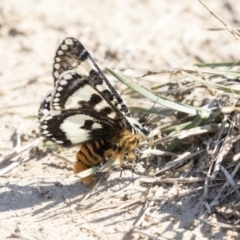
x=123, y=167
x=134, y=155
x=100, y=167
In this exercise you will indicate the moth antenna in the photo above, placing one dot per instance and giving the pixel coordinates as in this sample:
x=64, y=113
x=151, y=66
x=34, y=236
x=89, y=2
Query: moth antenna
x=149, y=117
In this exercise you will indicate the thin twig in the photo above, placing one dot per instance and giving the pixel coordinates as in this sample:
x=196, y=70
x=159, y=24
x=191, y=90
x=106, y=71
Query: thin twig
x=230, y=29
x=178, y=161
x=230, y=180
x=215, y=200
x=18, y=150
x=172, y=180
x=61, y=157
x=117, y=207
x=191, y=132
x=158, y=152
x=14, y=164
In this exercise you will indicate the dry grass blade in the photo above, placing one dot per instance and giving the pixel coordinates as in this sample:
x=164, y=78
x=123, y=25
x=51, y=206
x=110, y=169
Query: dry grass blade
x=14, y=164
x=18, y=150
x=215, y=200
x=117, y=207
x=171, y=180
x=160, y=100
x=62, y=157
x=191, y=132
x=178, y=161
x=158, y=152
x=230, y=179
x=231, y=90
x=231, y=30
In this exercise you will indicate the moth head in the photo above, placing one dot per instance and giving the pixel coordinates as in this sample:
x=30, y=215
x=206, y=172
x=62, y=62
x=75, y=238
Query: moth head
x=138, y=128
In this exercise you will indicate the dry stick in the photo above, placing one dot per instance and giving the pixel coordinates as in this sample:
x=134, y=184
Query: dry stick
x=18, y=150
x=158, y=152
x=125, y=204
x=178, y=161
x=231, y=30
x=191, y=132
x=172, y=180
x=214, y=201
x=184, y=193
x=220, y=156
x=230, y=180
x=14, y=164
x=206, y=184
x=61, y=157
x=223, y=151
x=225, y=225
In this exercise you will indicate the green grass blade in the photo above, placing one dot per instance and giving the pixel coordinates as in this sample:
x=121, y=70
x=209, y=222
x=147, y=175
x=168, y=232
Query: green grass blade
x=160, y=100
x=211, y=84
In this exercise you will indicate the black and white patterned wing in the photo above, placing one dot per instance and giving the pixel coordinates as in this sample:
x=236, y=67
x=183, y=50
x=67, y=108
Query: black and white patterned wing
x=74, y=112
x=72, y=56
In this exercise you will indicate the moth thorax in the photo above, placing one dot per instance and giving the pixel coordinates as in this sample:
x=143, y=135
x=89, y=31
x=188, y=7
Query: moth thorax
x=128, y=141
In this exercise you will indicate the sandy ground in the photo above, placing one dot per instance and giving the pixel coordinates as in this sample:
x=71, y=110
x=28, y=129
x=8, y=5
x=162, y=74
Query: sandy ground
x=36, y=199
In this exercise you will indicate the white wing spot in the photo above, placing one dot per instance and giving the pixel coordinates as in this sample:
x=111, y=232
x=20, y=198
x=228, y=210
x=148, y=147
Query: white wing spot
x=57, y=94
x=64, y=47
x=44, y=111
x=48, y=99
x=56, y=100
x=96, y=125
x=57, y=66
x=60, y=52
x=84, y=93
x=63, y=82
x=60, y=88
x=69, y=41
x=84, y=68
x=71, y=127
x=67, y=76
x=56, y=74
x=57, y=59
x=112, y=115
x=101, y=87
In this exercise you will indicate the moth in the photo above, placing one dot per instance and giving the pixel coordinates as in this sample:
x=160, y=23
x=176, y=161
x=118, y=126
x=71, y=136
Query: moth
x=84, y=108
